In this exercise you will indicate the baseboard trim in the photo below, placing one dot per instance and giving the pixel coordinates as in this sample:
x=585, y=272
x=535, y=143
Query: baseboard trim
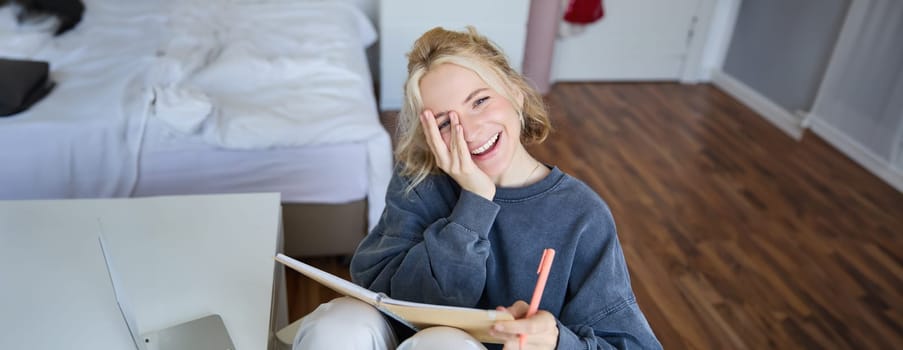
x=858, y=153
x=777, y=115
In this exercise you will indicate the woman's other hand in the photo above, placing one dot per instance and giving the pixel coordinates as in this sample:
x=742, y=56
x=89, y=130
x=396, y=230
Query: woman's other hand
x=541, y=329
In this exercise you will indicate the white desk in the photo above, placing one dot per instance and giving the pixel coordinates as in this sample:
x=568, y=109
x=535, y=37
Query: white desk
x=177, y=259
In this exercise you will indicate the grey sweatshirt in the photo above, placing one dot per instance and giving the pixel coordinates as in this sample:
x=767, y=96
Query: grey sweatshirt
x=441, y=245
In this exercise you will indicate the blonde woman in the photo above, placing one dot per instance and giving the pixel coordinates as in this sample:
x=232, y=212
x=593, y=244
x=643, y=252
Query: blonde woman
x=469, y=212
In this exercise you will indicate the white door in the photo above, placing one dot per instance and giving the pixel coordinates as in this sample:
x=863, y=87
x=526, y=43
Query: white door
x=636, y=40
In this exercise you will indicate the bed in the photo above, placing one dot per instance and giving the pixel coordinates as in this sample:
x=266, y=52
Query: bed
x=194, y=97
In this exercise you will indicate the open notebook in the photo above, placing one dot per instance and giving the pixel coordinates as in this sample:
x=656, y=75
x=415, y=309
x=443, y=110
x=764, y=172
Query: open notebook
x=418, y=316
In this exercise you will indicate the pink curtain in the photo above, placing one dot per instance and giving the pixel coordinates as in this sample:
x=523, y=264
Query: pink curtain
x=541, y=28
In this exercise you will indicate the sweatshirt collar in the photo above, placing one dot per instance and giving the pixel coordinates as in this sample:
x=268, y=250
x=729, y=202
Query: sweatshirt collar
x=506, y=194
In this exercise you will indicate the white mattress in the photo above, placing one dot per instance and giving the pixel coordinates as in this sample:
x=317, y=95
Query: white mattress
x=96, y=135
x=333, y=174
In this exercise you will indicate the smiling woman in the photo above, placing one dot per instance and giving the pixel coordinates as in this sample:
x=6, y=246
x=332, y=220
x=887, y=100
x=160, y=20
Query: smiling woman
x=468, y=214
x=476, y=127
x=464, y=77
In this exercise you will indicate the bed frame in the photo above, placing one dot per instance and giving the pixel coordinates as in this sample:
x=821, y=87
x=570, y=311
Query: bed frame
x=312, y=230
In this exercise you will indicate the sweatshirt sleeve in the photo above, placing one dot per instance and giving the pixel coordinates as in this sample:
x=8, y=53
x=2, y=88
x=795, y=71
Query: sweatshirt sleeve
x=416, y=255
x=602, y=312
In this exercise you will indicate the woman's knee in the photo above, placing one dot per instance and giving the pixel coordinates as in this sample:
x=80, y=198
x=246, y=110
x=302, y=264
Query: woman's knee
x=441, y=338
x=344, y=323
x=347, y=311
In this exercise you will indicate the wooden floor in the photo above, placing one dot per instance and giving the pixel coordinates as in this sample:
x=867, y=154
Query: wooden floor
x=736, y=236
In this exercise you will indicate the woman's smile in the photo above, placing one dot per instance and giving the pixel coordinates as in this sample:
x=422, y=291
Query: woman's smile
x=486, y=148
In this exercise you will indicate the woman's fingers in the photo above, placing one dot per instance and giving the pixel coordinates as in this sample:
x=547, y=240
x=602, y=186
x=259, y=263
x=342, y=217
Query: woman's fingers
x=434, y=138
x=456, y=142
x=454, y=157
x=424, y=123
x=541, y=331
x=519, y=309
x=462, y=149
x=459, y=149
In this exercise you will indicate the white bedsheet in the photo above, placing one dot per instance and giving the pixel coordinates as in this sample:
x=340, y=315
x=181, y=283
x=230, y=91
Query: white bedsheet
x=79, y=141
x=265, y=75
x=262, y=75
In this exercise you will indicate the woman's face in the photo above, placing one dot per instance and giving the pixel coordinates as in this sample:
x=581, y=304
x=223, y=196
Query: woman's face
x=491, y=125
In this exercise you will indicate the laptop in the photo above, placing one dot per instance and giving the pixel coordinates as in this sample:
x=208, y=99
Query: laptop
x=205, y=333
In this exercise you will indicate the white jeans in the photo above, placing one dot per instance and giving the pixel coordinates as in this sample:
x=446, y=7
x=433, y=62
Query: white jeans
x=348, y=323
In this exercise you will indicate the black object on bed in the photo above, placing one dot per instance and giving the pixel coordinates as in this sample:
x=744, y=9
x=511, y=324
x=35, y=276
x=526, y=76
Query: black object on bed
x=22, y=83
x=68, y=12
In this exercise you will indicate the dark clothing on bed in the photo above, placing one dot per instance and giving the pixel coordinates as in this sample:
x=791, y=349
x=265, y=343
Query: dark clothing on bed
x=22, y=84
x=446, y=246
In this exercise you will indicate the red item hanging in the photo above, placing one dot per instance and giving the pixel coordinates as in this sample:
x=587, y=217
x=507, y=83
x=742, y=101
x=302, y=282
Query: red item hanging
x=584, y=11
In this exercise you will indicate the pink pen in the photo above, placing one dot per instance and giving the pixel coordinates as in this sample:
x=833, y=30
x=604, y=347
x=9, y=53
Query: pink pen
x=545, y=264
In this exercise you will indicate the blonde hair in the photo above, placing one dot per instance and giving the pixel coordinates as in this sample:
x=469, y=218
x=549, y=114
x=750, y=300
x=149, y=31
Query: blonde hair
x=475, y=52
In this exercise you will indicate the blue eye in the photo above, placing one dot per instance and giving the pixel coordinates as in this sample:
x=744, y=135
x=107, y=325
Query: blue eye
x=480, y=101
x=444, y=124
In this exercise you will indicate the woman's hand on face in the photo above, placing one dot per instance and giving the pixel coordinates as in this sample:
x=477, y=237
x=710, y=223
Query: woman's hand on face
x=541, y=329
x=454, y=158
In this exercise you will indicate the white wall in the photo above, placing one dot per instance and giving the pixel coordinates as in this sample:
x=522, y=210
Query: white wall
x=787, y=62
x=859, y=107
x=781, y=48
x=636, y=40
x=646, y=40
x=403, y=21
